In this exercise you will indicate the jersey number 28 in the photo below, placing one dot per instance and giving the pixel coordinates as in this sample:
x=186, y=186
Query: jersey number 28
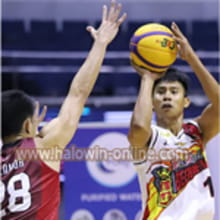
x=15, y=193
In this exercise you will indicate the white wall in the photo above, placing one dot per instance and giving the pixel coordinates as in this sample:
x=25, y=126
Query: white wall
x=91, y=9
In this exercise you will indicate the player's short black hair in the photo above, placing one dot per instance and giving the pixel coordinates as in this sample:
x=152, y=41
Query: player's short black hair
x=172, y=75
x=17, y=106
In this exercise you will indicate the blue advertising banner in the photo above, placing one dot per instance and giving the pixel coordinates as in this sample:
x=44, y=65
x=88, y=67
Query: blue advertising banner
x=100, y=180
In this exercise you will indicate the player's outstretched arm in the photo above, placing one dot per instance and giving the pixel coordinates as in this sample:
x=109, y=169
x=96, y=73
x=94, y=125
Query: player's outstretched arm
x=60, y=130
x=210, y=117
x=140, y=126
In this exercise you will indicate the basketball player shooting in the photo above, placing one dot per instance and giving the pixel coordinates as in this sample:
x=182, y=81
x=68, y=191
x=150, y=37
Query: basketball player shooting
x=30, y=188
x=169, y=157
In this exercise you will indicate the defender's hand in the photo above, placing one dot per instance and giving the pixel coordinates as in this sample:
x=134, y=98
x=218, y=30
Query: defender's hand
x=110, y=24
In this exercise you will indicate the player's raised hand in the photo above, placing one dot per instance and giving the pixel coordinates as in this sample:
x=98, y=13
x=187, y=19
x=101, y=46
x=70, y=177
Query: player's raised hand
x=143, y=71
x=110, y=23
x=184, y=48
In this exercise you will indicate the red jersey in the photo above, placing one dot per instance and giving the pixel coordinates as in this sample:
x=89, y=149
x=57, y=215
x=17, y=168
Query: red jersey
x=28, y=189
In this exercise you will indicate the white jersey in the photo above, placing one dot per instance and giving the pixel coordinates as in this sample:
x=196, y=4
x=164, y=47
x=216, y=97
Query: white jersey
x=175, y=180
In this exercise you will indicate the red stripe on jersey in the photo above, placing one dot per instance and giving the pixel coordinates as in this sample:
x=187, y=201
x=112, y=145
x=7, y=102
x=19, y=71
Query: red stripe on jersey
x=50, y=194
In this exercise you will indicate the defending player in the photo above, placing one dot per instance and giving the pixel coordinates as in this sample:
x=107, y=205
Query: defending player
x=174, y=178
x=30, y=189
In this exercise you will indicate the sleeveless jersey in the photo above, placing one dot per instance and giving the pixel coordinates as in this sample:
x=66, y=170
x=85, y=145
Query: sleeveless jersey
x=29, y=189
x=174, y=179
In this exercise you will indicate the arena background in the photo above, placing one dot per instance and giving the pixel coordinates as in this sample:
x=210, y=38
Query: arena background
x=44, y=43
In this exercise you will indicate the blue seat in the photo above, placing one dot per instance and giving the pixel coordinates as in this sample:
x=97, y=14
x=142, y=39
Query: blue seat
x=43, y=35
x=13, y=35
x=205, y=35
x=74, y=36
x=33, y=84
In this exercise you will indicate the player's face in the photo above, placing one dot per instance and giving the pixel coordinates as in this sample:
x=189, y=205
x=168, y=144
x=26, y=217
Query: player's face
x=169, y=100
